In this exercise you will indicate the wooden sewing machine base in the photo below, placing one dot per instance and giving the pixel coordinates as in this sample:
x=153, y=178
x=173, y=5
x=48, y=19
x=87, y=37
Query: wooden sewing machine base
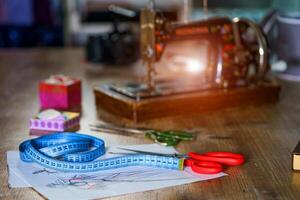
x=187, y=103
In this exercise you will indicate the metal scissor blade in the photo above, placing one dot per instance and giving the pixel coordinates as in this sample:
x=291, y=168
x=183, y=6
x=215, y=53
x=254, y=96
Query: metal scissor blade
x=118, y=128
x=153, y=153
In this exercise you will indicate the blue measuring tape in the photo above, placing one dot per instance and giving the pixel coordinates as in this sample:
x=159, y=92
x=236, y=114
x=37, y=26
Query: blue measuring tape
x=74, y=152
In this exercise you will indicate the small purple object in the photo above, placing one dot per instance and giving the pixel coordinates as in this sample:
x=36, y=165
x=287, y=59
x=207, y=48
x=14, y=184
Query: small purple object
x=64, y=122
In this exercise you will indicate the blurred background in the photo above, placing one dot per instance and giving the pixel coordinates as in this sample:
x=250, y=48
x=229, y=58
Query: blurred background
x=30, y=23
x=60, y=23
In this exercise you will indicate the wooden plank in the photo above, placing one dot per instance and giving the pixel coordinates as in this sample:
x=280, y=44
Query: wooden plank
x=113, y=103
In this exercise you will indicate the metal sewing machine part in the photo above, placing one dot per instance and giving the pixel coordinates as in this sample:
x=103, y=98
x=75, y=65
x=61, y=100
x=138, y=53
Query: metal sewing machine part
x=191, y=63
x=236, y=51
x=117, y=47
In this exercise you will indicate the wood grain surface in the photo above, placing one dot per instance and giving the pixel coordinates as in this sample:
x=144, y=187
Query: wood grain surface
x=265, y=134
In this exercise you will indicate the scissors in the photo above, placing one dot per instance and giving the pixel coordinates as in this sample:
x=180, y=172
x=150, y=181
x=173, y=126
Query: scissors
x=207, y=163
x=211, y=162
x=166, y=138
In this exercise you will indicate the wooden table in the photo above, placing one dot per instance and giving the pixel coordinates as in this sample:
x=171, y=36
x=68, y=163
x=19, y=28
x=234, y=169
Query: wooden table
x=265, y=134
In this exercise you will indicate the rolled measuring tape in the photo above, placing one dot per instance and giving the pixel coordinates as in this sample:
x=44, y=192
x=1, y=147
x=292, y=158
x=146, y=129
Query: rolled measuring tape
x=74, y=152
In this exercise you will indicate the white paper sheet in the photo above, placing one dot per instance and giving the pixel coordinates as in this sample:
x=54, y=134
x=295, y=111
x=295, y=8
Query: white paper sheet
x=59, y=185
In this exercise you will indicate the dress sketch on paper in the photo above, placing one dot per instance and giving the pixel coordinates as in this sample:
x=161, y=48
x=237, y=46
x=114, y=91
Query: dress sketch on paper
x=44, y=170
x=100, y=180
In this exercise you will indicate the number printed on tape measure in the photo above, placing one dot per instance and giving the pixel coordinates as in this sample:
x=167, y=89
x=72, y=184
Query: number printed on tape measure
x=74, y=152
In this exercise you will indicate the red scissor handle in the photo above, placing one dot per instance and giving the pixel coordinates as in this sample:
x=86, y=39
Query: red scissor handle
x=226, y=158
x=203, y=167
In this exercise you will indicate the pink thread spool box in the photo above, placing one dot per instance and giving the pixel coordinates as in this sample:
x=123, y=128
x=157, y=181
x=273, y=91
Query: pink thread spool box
x=66, y=121
x=60, y=92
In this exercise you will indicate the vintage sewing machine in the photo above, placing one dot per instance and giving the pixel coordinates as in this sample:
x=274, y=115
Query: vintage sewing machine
x=193, y=67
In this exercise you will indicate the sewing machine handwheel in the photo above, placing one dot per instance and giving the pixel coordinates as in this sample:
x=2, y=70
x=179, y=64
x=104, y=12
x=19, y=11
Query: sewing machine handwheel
x=258, y=65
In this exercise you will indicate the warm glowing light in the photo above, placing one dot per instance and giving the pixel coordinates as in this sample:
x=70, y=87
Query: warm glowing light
x=194, y=66
x=188, y=64
x=236, y=19
x=261, y=51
